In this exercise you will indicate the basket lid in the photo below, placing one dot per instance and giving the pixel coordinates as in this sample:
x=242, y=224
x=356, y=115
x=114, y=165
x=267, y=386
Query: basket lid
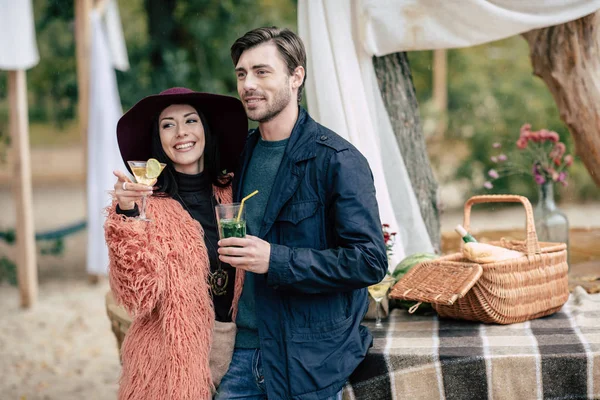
x=437, y=281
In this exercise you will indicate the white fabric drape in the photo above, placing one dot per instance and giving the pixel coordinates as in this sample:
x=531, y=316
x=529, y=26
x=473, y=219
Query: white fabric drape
x=401, y=25
x=18, y=47
x=103, y=150
x=116, y=40
x=342, y=94
x=341, y=88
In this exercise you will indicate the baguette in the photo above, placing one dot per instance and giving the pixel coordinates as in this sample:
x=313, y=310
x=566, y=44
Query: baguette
x=484, y=253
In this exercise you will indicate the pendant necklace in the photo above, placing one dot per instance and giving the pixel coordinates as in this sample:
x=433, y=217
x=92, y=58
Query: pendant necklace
x=218, y=279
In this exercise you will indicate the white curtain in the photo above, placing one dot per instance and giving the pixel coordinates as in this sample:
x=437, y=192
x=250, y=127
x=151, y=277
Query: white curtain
x=18, y=47
x=114, y=33
x=342, y=94
x=390, y=26
x=103, y=150
x=342, y=36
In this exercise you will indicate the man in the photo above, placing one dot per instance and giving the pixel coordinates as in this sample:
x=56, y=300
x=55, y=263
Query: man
x=316, y=240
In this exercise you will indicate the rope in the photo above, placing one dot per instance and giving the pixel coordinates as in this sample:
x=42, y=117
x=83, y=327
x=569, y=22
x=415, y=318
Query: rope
x=9, y=235
x=60, y=233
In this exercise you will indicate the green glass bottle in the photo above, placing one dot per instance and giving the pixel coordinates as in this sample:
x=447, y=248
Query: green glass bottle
x=466, y=236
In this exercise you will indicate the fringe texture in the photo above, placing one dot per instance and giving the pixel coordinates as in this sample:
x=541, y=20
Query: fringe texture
x=159, y=273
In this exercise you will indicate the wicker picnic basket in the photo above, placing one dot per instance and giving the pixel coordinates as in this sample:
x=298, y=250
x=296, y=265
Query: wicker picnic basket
x=504, y=292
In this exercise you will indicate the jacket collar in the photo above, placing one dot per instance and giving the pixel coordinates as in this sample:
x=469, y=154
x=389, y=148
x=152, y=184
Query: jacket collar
x=302, y=144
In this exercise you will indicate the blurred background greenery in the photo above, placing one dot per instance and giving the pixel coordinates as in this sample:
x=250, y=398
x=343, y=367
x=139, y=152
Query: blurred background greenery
x=491, y=89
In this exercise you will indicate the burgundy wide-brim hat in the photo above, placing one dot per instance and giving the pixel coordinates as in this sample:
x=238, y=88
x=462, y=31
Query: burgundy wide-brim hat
x=225, y=116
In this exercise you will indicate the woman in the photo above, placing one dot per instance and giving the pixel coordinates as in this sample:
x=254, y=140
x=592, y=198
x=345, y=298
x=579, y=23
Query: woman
x=161, y=270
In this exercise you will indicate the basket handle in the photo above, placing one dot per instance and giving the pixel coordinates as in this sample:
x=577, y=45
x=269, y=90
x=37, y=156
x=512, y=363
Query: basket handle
x=531, y=241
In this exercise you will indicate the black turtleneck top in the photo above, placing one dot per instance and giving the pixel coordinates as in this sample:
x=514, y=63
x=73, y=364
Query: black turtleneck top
x=195, y=194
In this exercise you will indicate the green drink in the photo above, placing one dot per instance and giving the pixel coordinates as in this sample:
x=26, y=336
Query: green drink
x=232, y=228
x=230, y=222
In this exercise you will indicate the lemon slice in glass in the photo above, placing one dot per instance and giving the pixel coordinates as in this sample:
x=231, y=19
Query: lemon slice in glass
x=153, y=168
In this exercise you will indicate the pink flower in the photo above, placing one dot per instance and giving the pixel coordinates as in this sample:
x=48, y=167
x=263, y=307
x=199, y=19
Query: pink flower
x=535, y=136
x=493, y=174
x=539, y=179
x=522, y=143
x=502, y=157
x=553, y=137
x=494, y=159
x=558, y=150
x=488, y=185
x=562, y=177
x=537, y=174
x=543, y=133
x=496, y=145
x=568, y=160
x=525, y=129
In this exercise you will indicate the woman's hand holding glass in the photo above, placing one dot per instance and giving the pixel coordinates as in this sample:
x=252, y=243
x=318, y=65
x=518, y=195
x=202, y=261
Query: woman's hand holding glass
x=128, y=192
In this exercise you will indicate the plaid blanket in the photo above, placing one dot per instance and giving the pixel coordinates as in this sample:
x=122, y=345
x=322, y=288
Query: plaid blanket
x=423, y=357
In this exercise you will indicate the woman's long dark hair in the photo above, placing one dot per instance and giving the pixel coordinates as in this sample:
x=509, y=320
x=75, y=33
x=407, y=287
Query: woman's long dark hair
x=167, y=184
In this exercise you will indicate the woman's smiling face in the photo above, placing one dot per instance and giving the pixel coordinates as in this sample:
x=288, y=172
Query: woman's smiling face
x=182, y=138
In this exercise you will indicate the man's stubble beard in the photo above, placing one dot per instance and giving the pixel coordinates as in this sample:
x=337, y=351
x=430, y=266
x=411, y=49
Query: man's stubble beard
x=280, y=101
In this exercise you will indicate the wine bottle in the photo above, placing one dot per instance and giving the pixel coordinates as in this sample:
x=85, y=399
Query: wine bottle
x=466, y=236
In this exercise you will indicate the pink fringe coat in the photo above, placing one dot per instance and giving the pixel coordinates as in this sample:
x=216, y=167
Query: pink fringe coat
x=159, y=273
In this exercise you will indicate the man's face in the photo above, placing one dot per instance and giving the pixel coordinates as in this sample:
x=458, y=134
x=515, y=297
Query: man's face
x=263, y=82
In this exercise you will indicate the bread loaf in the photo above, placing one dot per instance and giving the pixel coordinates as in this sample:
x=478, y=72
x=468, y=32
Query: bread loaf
x=484, y=253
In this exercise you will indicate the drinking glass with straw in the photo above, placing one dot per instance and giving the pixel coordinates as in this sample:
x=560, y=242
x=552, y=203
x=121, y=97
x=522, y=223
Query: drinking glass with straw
x=231, y=218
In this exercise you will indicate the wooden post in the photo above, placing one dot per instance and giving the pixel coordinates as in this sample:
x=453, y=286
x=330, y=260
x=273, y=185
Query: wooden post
x=83, y=44
x=19, y=132
x=440, y=90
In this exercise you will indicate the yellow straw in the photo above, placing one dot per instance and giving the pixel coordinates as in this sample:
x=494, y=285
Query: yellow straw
x=242, y=205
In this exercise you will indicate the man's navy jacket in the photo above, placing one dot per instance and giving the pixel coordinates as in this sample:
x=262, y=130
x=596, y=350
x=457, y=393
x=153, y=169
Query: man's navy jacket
x=323, y=224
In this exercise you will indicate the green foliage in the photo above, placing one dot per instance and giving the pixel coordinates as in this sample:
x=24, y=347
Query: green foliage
x=196, y=54
x=8, y=271
x=52, y=84
x=51, y=243
x=491, y=94
x=9, y=236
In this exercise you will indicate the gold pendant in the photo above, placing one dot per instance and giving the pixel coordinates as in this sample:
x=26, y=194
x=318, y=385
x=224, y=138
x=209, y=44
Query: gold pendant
x=218, y=282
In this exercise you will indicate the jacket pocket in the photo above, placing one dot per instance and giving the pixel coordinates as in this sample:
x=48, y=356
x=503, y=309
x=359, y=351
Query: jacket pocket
x=298, y=211
x=318, y=357
x=321, y=330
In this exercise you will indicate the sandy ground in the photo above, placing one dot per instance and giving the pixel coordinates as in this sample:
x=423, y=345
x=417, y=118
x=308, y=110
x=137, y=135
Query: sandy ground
x=63, y=348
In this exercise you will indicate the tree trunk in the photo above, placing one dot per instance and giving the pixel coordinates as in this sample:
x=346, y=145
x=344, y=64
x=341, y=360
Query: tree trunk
x=567, y=58
x=398, y=91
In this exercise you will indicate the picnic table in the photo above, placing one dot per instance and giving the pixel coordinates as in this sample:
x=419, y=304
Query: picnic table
x=423, y=357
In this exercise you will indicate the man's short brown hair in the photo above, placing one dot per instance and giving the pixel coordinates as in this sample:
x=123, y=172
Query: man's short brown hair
x=289, y=44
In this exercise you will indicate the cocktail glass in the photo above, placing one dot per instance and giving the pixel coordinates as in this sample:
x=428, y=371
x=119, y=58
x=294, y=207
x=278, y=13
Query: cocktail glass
x=230, y=222
x=138, y=168
x=378, y=291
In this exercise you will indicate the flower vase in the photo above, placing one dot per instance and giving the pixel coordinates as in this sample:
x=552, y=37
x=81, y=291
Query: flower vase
x=551, y=224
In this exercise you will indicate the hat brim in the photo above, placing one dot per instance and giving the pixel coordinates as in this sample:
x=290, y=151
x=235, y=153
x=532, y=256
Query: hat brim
x=225, y=116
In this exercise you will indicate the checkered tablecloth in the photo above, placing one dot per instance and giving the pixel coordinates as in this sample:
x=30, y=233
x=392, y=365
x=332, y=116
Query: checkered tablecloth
x=422, y=357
